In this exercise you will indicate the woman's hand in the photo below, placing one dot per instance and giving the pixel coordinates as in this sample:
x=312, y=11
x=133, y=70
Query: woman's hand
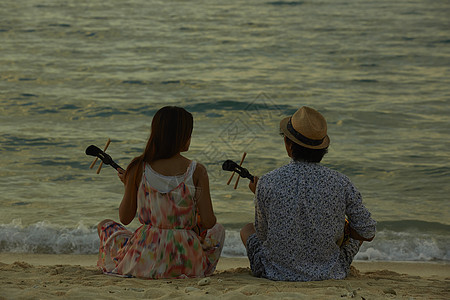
x=121, y=174
x=252, y=184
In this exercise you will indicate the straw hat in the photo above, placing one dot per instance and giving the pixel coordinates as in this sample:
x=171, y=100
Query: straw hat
x=307, y=127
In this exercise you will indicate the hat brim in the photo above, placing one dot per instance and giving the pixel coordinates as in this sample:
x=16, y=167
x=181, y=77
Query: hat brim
x=283, y=128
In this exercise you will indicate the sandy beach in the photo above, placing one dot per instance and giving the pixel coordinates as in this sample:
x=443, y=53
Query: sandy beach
x=31, y=276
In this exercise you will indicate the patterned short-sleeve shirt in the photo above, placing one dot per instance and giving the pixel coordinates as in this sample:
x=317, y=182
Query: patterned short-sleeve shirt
x=300, y=212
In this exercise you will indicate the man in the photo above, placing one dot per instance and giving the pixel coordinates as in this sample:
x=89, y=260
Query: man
x=302, y=208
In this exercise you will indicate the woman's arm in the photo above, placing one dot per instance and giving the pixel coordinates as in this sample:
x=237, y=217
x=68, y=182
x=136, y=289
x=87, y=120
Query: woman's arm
x=128, y=206
x=203, y=197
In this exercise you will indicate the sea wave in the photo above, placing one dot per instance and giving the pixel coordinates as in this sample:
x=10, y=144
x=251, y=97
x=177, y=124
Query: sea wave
x=406, y=246
x=46, y=238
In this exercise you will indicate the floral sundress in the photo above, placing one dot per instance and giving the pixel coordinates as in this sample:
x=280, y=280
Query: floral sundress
x=165, y=245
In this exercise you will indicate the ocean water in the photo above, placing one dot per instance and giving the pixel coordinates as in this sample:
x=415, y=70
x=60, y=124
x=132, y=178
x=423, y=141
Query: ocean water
x=75, y=73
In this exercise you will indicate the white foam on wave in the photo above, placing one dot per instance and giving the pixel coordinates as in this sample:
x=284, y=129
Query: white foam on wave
x=233, y=246
x=44, y=237
x=401, y=246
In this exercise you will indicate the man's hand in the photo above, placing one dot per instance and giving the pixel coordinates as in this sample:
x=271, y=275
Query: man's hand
x=354, y=235
x=252, y=184
x=121, y=174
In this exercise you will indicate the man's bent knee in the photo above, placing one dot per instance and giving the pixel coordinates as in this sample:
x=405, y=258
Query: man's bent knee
x=247, y=231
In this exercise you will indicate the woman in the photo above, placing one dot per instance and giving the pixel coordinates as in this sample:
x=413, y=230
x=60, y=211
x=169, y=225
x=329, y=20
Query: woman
x=169, y=193
x=301, y=210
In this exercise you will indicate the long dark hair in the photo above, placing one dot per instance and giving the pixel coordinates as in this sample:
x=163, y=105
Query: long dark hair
x=171, y=130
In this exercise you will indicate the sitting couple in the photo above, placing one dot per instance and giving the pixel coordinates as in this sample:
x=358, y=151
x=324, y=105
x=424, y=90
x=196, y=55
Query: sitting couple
x=300, y=215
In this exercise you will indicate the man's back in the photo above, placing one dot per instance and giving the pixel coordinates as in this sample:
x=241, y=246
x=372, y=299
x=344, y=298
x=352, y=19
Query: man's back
x=300, y=215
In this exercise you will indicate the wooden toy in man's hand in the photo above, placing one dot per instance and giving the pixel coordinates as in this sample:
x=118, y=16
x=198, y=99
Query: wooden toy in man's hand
x=230, y=165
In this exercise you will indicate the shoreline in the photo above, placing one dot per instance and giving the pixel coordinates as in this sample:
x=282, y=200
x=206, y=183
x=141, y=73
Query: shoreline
x=428, y=268
x=48, y=276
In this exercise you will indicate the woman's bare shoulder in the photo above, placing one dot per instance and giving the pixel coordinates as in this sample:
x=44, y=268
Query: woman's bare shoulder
x=200, y=172
x=200, y=168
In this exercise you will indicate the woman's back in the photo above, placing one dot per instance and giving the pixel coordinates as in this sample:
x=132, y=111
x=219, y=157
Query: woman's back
x=167, y=201
x=174, y=166
x=165, y=246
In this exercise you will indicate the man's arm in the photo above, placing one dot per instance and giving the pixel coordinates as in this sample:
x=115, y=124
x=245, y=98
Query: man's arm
x=362, y=226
